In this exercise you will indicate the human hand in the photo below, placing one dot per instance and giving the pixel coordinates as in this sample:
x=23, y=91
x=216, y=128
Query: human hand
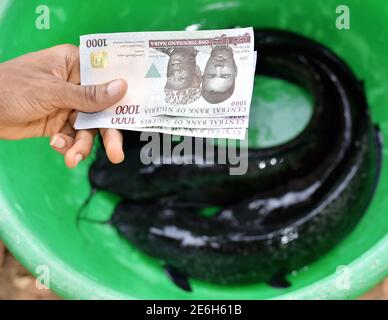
x=40, y=96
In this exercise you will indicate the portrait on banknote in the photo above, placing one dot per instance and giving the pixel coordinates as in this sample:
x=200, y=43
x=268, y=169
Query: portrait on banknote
x=184, y=77
x=219, y=75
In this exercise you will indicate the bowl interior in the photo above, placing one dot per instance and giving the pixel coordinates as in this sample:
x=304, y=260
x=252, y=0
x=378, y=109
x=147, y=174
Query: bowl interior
x=40, y=197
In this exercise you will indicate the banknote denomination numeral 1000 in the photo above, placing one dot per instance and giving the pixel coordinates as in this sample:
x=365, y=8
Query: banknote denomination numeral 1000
x=239, y=103
x=96, y=43
x=127, y=109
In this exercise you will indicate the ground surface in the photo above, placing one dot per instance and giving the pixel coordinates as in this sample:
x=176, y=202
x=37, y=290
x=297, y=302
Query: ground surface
x=17, y=283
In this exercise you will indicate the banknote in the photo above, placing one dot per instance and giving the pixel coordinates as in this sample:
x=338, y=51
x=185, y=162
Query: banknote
x=221, y=133
x=169, y=122
x=196, y=74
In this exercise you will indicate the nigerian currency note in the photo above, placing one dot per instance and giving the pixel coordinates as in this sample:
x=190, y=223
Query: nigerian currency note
x=220, y=133
x=183, y=74
x=191, y=122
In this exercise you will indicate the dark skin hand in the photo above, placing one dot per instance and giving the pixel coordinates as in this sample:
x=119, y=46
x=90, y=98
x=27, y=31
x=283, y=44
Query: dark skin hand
x=40, y=96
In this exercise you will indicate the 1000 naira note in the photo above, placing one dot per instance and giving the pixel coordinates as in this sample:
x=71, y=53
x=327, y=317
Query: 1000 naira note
x=177, y=75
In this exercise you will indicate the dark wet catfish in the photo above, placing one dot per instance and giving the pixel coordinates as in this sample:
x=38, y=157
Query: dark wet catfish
x=296, y=201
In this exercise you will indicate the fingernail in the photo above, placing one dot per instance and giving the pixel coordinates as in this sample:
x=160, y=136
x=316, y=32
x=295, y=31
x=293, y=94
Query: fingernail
x=57, y=142
x=115, y=88
x=78, y=157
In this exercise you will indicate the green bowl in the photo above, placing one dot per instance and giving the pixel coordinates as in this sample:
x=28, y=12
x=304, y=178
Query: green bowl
x=40, y=197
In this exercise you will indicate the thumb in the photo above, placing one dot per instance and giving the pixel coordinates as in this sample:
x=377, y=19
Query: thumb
x=92, y=98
